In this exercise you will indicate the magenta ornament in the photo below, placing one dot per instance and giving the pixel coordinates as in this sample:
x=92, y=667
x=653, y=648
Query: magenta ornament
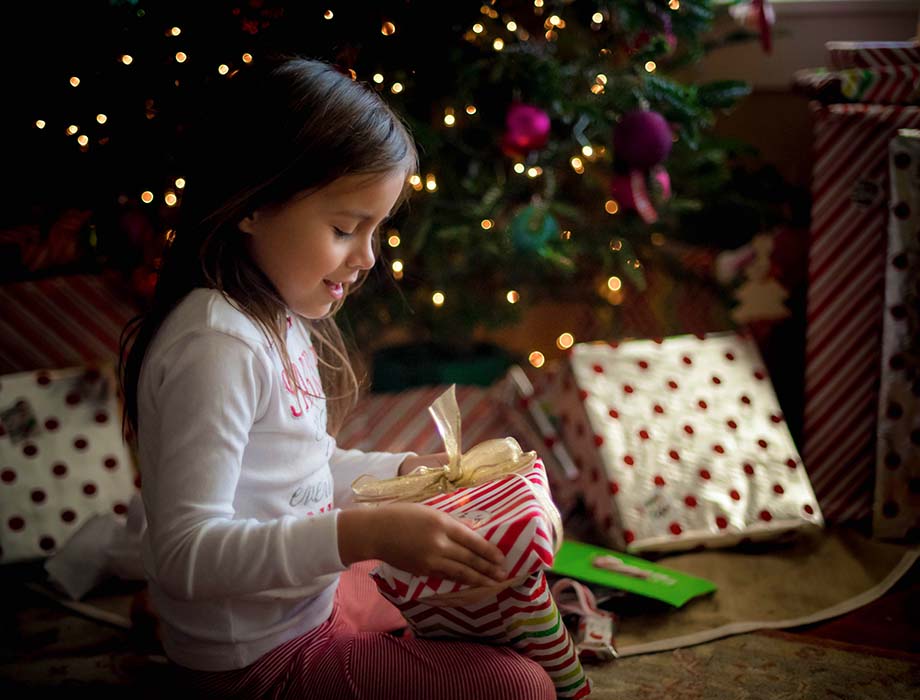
x=526, y=129
x=642, y=139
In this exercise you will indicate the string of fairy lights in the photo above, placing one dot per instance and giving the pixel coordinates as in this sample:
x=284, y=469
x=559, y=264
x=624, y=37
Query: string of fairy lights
x=478, y=33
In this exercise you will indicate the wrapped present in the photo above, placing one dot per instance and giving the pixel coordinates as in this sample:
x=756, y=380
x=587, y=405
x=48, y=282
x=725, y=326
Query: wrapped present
x=681, y=442
x=62, y=458
x=61, y=322
x=885, y=85
x=869, y=54
x=845, y=301
x=896, y=511
x=531, y=422
x=502, y=492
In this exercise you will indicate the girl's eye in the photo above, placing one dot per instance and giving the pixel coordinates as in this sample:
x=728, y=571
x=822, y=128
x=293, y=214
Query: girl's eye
x=340, y=233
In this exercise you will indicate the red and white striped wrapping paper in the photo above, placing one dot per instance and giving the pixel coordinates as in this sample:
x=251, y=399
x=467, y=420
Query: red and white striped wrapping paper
x=881, y=85
x=399, y=422
x=896, y=510
x=869, y=54
x=845, y=300
x=524, y=616
x=60, y=322
x=681, y=442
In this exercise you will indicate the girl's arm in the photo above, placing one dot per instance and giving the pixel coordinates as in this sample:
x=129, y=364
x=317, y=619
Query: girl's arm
x=348, y=465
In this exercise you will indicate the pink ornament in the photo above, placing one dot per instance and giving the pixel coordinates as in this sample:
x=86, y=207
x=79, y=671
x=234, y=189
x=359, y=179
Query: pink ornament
x=631, y=191
x=527, y=129
x=642, y=139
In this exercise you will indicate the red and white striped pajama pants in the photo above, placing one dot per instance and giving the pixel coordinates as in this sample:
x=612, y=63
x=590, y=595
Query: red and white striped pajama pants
x=336, y=661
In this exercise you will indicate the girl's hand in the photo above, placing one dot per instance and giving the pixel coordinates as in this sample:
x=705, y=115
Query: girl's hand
x=421, y=540
x=433, y=460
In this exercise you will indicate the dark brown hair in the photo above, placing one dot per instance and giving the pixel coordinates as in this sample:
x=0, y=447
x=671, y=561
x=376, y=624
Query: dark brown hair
x=287, y=127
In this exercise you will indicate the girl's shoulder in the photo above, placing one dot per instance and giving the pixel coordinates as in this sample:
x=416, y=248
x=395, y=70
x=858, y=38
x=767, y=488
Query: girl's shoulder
x=209, y=311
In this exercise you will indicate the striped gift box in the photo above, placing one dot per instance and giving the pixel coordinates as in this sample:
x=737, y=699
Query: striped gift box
x=868, y=54
x=523, y=615
x=846, y=300
x=400, y=422
x=881, y=85
x=60, y=322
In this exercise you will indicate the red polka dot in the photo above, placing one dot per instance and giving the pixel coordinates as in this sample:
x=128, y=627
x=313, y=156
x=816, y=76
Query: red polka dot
x=900, y=261
x=748, y=468
x=808, y=509
x=46, y=543
x=614, y=488
x=716, y=380
x=629, y=536
x=598, y=369
x=613, y=413
x=644, y=434
x=598, y=440
x=43, y=379
x=16, y=523
x=59, y=469
x=704, y=474
x=735, y=495
x=675, y=529
x=29, y=450
x=658, y=408
x=582, y=394
x=628, y=459
x=72, y=399
x=38, y=496
x=2, y=430
x=672, y=384
x=137, y=477
x=614, y=344
x=102, y=417
x=674, y=454
x=8, y=476
x=686, y=360
x=80, y=443
x=778, y=489
x=89, y=488
x=688, y=429
x=658, y=340
x=762, y=443
x=718, y=449
x=759, y=375
x=721, y=522
x=627, y=388
x=791, y=463
x=729, y=356
x=731, y=424
x=549, y=441
x=120, y=508
x=776, y=417
x=659, y=480
x=643, y=364
x=68, y=516
x=690, y=501
x=766, y=516
x=702, y=404
x=745, y=399
x=52, y=424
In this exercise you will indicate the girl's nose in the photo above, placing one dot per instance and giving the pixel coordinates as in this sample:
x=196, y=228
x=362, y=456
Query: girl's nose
x=362, y=257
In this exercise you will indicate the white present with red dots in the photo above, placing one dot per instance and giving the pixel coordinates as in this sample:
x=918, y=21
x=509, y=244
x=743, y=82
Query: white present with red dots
x=681, y=442
x=62, y=458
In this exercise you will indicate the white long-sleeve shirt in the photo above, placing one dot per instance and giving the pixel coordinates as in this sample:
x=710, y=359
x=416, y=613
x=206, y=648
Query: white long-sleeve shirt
x=241, y=485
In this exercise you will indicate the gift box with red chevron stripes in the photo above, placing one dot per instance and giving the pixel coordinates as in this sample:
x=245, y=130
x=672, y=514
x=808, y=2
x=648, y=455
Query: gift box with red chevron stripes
x=509, y=513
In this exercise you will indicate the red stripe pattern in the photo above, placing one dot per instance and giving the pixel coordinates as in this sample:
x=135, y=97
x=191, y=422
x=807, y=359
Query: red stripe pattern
x=845, y=300
x=868, y=54
x=524, y=615
x=60, y=322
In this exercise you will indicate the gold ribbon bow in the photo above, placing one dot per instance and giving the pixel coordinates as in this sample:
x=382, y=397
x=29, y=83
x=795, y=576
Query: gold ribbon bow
x=490, y=459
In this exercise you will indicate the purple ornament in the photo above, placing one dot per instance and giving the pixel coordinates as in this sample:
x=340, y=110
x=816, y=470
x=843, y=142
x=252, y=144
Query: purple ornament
x=642, y=139
x=527, y=129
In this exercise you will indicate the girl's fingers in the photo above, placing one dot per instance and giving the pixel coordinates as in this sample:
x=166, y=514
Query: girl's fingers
x=472, y=561
x=454, y=570
x=473, y=541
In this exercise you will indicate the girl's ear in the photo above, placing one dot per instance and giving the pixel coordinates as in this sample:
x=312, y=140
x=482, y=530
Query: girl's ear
x=247, y=224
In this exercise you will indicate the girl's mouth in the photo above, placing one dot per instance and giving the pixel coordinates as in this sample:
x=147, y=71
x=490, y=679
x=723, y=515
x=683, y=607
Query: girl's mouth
x=336, y=289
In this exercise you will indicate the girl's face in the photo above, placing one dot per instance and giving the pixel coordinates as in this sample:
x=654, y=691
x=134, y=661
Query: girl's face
x=313, y=247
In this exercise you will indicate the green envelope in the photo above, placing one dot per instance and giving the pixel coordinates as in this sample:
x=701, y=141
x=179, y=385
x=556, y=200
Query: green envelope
x=635, y=575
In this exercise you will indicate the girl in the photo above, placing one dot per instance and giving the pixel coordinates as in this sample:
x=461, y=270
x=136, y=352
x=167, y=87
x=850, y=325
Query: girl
x=235, y=383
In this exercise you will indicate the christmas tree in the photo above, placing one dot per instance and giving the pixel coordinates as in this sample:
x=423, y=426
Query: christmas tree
x=559, y=151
